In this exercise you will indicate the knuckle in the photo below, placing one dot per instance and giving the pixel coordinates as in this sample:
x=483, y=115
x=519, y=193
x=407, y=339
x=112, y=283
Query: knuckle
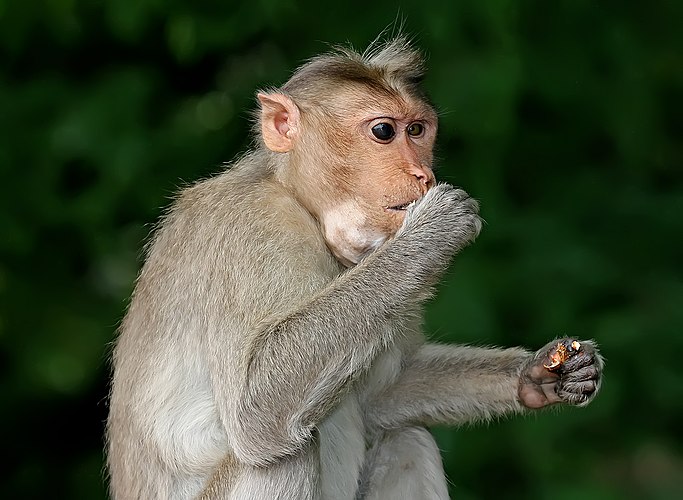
x=470, y=204
x=460, y=194
x=439, y=191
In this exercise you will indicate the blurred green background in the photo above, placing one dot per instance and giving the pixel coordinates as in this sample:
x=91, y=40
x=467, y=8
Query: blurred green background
x=564, y=118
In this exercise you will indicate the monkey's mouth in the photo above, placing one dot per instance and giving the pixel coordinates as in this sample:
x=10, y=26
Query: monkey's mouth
x=401, y=208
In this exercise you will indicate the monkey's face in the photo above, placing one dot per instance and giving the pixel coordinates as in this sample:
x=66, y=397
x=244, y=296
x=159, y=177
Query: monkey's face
x=383, y=165
x=358, y=157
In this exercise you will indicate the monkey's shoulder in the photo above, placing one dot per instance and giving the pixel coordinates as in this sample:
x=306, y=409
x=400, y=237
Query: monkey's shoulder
x=259, y=211
x=241, y=225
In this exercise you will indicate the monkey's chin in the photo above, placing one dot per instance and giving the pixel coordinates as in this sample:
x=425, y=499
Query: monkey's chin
x=351, y=244
x=351, y=252
x=350, y=234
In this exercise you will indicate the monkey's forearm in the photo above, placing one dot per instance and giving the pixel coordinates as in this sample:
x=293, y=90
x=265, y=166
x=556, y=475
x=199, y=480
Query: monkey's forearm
x=298, y=367
x=451, y=385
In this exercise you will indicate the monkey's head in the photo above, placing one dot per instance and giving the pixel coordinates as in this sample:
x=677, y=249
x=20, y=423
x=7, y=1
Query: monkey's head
x=355, y=136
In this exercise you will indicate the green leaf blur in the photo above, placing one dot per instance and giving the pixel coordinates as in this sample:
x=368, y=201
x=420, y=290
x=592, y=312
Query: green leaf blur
x=565, y=119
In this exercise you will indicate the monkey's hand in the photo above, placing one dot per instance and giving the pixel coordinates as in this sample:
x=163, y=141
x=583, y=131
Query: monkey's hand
x=564, y=371
x=439, y=225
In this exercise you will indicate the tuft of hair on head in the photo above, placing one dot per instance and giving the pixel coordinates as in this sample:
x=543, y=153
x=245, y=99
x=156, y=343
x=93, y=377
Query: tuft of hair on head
x=393, y=65
x=396, y=59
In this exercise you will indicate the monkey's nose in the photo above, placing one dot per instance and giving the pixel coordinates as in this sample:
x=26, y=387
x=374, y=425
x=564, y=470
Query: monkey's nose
x=426, y=178
x=423, y=174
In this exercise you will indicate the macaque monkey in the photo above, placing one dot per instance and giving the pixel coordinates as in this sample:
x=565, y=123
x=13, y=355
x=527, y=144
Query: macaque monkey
x=273, y=347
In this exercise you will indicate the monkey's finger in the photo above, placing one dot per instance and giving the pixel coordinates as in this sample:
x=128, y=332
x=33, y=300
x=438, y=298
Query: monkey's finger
x=576, y=397
x=582, y=387
x=578, y=362
x=589, y=372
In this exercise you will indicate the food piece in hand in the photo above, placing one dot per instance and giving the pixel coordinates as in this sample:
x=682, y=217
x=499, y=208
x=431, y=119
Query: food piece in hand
x=563, y=351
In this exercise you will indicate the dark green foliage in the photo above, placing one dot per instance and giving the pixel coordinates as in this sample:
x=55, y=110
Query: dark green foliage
x=563, y=118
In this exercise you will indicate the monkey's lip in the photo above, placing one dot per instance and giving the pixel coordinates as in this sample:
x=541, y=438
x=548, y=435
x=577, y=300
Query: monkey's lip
x=402, y=207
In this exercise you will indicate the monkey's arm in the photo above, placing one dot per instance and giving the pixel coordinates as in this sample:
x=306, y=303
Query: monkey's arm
x=450, y=384
x=294, y=371
x=290, y=372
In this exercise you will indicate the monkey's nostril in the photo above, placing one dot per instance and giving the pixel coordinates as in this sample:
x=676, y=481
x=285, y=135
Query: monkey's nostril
x=423, y=178
x=426, y=183
x=427, y=176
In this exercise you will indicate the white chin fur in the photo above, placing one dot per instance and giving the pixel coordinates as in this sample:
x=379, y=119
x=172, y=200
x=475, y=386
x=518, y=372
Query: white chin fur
x=346, y=234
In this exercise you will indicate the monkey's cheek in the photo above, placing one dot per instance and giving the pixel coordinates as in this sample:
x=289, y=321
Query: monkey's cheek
x=350, y=234
x=395, y=222
x=345, y=249
x=352, y=247
x=389, y=221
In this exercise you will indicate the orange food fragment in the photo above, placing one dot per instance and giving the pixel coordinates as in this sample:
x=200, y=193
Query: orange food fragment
x=563, y=351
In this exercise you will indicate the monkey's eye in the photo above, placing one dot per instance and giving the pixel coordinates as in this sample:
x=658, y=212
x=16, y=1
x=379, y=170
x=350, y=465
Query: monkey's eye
x=383, y=131
x=415, y=129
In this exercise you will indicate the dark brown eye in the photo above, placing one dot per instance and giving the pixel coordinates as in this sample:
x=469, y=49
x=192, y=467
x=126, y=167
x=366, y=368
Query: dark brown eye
x=415, y=129
x=383, y=131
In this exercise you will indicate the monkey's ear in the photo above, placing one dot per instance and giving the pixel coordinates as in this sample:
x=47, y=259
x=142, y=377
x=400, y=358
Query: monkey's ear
x=279, y=121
